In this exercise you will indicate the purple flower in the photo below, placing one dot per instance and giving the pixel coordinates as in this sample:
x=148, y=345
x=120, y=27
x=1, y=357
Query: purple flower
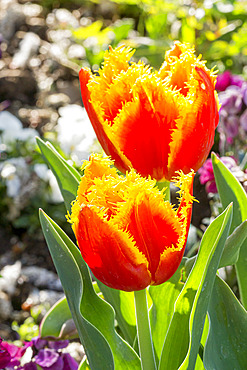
x=49, y=359
x=243, y=120
x=59, y=344
x=68, y=362
x=223, y=81
x=231, y=100
x=207, y=174
x=29, y=366
x=39, y=343
x=226, y=79
x=9, y=355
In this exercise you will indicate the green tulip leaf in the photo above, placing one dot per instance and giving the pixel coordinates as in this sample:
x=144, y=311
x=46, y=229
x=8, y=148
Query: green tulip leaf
x=226, y=346
x=93, y=317
x=179, y=350
x=164, y=297
x=68, y=180
x=123, y=304
x=231, y=250
x=230, y=190
x=67, y=176
x=58, y=322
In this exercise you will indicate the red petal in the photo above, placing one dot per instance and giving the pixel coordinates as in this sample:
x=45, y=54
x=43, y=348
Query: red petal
x=110, y=253
x=194, y=138
x=143, y=128
x=155, y=228
x=107, y=145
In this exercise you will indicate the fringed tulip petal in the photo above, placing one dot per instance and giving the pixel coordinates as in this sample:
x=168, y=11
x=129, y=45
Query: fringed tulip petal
x=127, y=234
x=111, y=253
x=155, y=122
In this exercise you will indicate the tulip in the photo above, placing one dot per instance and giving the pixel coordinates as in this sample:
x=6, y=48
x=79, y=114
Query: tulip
x=127, y=234
x=157, y=122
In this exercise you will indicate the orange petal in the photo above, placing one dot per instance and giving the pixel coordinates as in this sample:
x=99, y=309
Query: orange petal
x=98, y=122
x=153, y=224
x=171, y=257
x=110, y=253
x=193, y=137
x=143, y=127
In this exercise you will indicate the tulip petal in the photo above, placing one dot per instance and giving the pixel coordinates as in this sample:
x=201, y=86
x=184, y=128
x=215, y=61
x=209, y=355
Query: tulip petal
x=98, y=122
x=146, y=123
x=171, y=257
x=193, y=137
x=110, y=253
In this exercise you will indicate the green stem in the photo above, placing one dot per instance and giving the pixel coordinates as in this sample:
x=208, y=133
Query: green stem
x=165, y=184
x=143, y=331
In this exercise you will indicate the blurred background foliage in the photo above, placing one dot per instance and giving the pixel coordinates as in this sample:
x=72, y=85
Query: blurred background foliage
x=217, y=28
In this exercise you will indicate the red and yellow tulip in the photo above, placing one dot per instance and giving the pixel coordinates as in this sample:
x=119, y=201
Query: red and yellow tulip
x=128, y=235
x=155, y=122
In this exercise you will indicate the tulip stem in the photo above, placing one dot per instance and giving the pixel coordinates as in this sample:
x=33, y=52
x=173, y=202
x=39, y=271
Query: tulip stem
x=143, y=331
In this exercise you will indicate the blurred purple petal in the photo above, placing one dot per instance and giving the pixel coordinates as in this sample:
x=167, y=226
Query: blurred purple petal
x=232, y=126
x=243, y=120
x=211, y=187
x=59, y=344
x=4, y=357
x=69, y=363
x=39, y=343
x=237, y=80
x=223, y=81
x=29, y=366
x=49, y=359
x=231, y=100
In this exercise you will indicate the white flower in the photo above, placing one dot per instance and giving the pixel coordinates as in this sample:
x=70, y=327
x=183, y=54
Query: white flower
x=75, y=132
x=14, y=171
x=11, y=130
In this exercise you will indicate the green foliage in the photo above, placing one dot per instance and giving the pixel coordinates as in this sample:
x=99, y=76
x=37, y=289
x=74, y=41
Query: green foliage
x=178, y=307
x=190, y=308
x=230, y=190
x=93, y=317
x=227, y=332
x=30, y=327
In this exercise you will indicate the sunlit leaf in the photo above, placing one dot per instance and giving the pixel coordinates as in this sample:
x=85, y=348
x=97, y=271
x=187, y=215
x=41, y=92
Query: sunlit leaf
x=226, y=347
x=94, y=318
x=230, y=190
x=191, y=305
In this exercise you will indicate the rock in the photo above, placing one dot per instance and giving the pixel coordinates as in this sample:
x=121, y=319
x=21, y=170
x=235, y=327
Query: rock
x=28, y=47
x=42, y=278
x=65, y=18
x=37, y=297
x=10, y=274
x=6, y=308
x=76, y=52
x=76, y=351
x=57, y=100
x=11, y=18
x=18, y=85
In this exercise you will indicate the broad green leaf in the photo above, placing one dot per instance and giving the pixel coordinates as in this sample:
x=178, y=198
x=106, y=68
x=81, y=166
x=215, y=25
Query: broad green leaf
x=230, y=190
x=94, y=318
x=67, y=176
x=191, y=305
x=199, y=363
x=226, y=347
x=58, y=322
x=233, y=245
x=124, y=309
x=231, y=250
x=83, y=365
x=164, y=297
x=68, y=180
